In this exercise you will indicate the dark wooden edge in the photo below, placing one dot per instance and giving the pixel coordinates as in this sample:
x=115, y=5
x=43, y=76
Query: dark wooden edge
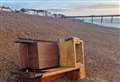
x=29, y=40
x=30, y=75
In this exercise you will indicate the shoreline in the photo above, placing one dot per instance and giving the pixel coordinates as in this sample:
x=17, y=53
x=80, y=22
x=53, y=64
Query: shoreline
x=98, y=25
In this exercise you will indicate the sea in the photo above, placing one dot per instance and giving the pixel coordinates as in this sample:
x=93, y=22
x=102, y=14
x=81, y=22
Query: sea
x=106, y=21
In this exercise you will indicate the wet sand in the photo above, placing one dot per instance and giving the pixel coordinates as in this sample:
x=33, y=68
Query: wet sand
x=102, y=45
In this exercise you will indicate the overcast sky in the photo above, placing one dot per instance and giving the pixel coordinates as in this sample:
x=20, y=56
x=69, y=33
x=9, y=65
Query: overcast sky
x=59, y=5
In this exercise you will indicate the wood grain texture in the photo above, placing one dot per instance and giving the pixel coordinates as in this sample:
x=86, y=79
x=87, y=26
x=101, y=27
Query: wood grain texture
x=67, y=56
x=48, y=55
x=39, y=55
x=24, y=59
x=72, y=54
x=33, y=56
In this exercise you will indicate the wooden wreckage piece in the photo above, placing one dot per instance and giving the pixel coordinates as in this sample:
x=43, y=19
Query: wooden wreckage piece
x=45, y=61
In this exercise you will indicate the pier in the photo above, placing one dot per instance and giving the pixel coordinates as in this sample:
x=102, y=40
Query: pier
x=93, y=16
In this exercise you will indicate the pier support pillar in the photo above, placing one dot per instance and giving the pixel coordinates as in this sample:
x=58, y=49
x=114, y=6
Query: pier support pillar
x=101, y=19
x=92, y=19
x=111, y=19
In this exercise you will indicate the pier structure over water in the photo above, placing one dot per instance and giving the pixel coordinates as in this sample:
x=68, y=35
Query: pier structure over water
x=93, y=16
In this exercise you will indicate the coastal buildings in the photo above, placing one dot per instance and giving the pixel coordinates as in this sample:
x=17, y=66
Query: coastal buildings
x=5, y=8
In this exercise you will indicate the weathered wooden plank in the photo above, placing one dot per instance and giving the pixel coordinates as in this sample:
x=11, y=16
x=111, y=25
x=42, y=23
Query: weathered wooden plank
x=72, y=54
x=23, y=56
x=48, y=55
x=67, y=56
x=59, y=70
